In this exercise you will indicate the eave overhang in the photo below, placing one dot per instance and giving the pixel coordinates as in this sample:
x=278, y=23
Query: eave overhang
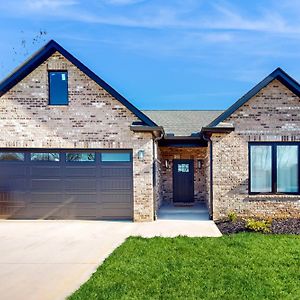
x=217, y=129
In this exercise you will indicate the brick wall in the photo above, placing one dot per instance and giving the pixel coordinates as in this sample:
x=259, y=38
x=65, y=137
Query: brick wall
x=201, y=183
x=271, y=115
x=93, y=119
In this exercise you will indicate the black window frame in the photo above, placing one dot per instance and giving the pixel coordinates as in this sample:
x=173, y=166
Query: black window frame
x=273, y=167
x=49, y=88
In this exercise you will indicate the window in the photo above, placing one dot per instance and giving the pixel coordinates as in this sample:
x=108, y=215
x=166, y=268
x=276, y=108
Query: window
x=80, y=157
x=183, y=168
x=115, y=157
x=58, y=88
x=44, y=156
x=287, y=169
x=261, y=169
x=274, y=168
x=12, y=156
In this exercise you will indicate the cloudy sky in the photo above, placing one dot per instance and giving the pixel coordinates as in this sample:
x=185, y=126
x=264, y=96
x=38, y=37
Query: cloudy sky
x=162, y=54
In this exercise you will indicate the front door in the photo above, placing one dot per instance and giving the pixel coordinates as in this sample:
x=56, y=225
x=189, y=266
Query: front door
x=183, y=181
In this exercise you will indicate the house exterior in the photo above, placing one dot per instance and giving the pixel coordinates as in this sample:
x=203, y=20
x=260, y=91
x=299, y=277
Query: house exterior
x=73, y=148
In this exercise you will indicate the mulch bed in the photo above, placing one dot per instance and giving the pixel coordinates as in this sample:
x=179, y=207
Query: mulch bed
x=279, y=226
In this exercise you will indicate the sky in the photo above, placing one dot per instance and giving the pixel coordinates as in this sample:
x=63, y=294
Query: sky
x=161, y=54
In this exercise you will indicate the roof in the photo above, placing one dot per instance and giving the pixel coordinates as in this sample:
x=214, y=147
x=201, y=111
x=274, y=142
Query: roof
x=43, y=54
x=182, y=122
x=278, y=74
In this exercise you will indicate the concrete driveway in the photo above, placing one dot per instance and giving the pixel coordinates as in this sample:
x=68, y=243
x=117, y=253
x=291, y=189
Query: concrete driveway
x=51, y=259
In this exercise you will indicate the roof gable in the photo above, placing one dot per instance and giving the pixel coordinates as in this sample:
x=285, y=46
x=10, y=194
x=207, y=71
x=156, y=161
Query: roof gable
x=278, y=74
x=43, y=54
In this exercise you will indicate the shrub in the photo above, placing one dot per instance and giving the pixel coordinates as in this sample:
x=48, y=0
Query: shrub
x=259, y=225
x=232, y=216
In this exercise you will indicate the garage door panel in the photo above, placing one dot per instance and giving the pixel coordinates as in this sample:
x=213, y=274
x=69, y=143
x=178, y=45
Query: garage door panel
x=12, y=185
x=118, y=213
x=115, y=184
x=81, y=184
x=38, y=197
x=81, y=171
x=123, y=197
x=115, y=172
x=85, y=198
x=45, y=171
x=46, y=185
x=66, y=190
x=12, y=171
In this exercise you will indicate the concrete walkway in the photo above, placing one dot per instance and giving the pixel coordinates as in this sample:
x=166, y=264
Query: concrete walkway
x=51, y=259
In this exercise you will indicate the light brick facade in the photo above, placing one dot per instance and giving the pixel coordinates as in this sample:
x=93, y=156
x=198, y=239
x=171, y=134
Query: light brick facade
x=93, y=119
x=271, y=115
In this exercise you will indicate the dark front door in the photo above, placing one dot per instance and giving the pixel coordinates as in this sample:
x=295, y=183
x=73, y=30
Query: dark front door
x=183, y=181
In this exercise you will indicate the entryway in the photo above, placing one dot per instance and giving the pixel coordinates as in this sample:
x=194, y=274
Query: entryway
x=183, y=181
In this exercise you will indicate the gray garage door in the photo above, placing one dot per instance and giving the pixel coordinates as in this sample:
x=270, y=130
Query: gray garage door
x=66, y=184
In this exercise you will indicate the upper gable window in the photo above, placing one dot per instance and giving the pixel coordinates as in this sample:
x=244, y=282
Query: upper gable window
x=58, y=87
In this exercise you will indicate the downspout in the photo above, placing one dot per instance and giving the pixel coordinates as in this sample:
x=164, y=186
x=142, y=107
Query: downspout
x=206, y=138
x=154, y=177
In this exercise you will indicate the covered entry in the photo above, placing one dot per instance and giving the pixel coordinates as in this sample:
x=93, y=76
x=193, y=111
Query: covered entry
x=66, y=184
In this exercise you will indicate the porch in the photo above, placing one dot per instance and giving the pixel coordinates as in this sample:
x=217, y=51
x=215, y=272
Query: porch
x=184, y=182
x=196, y=212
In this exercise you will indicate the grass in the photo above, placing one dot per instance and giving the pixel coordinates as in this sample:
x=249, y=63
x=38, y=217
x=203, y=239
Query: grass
x=242, y=266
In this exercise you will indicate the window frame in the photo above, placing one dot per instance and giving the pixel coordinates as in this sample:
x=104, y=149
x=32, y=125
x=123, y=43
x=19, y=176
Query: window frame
x=49, y=87
x=273, y=167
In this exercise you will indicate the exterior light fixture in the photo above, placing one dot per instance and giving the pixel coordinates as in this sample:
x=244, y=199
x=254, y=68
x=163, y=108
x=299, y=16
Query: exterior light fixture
x=167, y=164
x=199, y=162
x=141, y=154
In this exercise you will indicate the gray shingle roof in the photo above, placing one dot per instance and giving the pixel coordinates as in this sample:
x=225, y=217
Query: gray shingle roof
x=182, y=122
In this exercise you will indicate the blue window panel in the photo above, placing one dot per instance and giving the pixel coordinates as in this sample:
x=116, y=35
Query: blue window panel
x=115, y=157
x=58, y=88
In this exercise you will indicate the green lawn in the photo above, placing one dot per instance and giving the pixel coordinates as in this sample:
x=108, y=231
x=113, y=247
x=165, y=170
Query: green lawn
x=242, y=266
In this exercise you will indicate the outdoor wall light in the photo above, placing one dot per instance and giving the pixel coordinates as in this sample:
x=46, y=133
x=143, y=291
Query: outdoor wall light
x=167, y=164
x=199, y=163
x=141, y=154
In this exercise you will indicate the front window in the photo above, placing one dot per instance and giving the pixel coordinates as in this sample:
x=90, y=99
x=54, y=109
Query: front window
x=274, y=168
x=261, y=169
x=287, y=169
x=58, y=88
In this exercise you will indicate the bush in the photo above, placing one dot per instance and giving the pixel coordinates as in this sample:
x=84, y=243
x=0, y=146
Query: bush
x=232, y=216
x=259, y=225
